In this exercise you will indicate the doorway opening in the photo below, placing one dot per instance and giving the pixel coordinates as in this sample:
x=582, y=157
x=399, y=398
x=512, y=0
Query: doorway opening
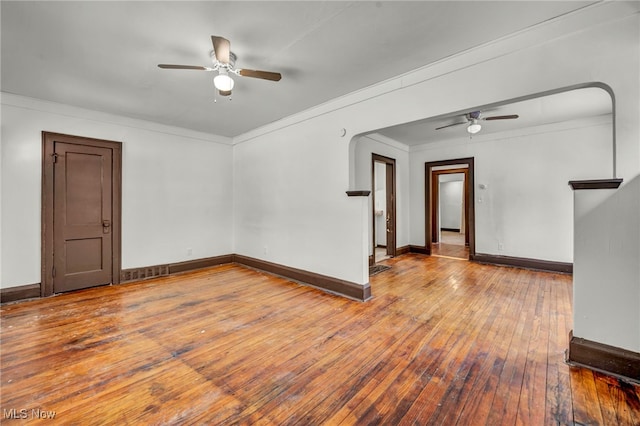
x=81, y=199
x=383, y=182
x=450, y=227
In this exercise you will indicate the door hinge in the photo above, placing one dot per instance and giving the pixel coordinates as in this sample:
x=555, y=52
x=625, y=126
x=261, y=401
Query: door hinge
x=53, y=272
x=54, y=157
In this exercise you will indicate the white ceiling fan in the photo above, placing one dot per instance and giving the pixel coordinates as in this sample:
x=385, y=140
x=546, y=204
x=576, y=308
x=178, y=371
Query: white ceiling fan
x=472, y=118
x=224, y=61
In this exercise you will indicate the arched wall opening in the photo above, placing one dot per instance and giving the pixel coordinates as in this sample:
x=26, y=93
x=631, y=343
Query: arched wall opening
x=355, y=180
x=522, y=196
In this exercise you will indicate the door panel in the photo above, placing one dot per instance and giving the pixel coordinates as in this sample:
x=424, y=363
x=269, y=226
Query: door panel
x=84, y=255
x=391, y=210
x=390, y=190
x=82, y=216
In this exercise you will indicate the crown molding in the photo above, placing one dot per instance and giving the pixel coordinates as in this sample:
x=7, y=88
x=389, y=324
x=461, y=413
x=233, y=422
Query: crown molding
x=42, y=105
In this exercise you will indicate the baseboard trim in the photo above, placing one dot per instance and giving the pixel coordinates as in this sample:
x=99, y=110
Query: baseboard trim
x=146, y=272
x=418, y=249
x=402, y=250
x=323, y=282
x=450, y=229
x=143, y=273
x=521, y=262
x=604, y=358
x=13, y=294
x=332, y=285
x=207, y=262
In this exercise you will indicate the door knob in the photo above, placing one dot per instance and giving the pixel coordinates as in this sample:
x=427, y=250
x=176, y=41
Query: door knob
x=105, y=226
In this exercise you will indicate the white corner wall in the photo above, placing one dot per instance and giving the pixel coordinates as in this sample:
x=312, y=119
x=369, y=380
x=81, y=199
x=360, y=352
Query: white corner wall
x=291, y=205
x=176, y=194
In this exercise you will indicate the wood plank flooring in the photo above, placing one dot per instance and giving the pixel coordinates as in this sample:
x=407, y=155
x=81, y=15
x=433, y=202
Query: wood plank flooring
x=450, y=250
x=451, y=245
x=443, y=342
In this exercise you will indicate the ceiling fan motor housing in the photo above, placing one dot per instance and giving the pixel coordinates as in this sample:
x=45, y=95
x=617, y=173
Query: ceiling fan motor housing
x=230, y=65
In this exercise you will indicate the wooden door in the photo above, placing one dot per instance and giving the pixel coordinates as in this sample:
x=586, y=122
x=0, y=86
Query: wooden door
x=80, y=213
x=391, y=209
x=390, y=189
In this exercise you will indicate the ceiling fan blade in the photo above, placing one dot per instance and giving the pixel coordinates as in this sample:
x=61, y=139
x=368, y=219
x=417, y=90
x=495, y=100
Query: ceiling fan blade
x=224, y=92
x=221, y=47
x=501, y=117
x=450, y=125
x=183, y=67
x=265, y=75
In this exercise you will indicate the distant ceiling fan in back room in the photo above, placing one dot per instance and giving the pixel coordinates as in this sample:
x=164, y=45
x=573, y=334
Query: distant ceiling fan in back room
x=473, y=118
x=224, y=61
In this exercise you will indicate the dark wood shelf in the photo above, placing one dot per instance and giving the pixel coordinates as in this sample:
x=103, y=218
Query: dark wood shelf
x=362, y=193
x=595, y=184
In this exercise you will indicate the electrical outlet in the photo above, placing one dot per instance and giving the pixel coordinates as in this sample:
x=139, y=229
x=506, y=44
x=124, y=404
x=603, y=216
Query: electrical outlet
x=189, y=251
x=265, y=250
x=500, y=246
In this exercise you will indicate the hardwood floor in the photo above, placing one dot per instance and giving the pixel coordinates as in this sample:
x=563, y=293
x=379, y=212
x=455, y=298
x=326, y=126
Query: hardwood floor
x=442, y=342
x=452, y=237
x=451, y=245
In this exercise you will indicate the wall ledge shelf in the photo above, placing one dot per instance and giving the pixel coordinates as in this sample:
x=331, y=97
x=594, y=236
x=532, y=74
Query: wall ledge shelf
x=362, y=193
x=595, y=184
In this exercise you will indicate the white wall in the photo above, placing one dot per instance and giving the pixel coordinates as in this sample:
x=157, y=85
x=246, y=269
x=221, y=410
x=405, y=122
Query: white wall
x=526, y=209
x=324, y=229
x=176, y=186
x=450, y=203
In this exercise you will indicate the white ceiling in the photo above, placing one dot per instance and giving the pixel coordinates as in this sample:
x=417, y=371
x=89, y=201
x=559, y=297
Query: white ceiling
x=104, y=55
x=556, y=108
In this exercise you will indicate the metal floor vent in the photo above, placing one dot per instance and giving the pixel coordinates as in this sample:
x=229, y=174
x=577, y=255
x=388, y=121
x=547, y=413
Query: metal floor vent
x=143, y=273
x=376, y=269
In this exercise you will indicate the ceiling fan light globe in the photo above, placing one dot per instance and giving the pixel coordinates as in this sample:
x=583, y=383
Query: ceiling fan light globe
x=223, y=82
x=474, y=128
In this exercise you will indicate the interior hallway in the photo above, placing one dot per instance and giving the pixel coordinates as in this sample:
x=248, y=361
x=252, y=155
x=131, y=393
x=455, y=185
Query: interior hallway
x=451, y=245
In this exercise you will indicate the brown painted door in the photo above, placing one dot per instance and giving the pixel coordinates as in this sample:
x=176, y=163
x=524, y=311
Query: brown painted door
x=391, y=209
x=82, y=217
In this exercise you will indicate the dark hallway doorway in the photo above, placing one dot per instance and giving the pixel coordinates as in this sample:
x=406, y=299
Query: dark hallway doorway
x=447, y=235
